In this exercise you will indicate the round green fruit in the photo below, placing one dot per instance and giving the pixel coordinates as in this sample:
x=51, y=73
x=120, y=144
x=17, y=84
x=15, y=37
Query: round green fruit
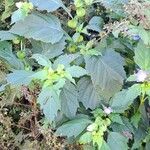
x=21, y=54
x=80, y=12
x=16, y=41
x=72, y=23
x=80, y=39
x=72, y=48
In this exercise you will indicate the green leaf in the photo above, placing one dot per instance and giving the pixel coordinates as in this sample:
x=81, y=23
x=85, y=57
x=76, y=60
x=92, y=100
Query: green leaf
x=69, y=101
x=123, y=99
x=141, y=58
x=85, y=138
x=117, y=141
x=116, y=118
x=19, y=77
x=48, y=49
x=95, y=24
x=107, y=73
x=136, y=119
x=73, y=127
x=8, y=9
x=114, y=5
x=42, y=60
x=105, y=146
x=41, y=75
x=49, y=5
x=18, y=15
x=87, y=93
x=65, y=60
x=49, y=103
x=6, y=35
x=38, y=26
x=76, y=71
x=6, y=54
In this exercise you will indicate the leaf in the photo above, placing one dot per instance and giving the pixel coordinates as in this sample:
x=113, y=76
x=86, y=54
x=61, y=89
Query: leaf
x=41, y=75
x=85, y=138
x=49, y=103
x=69, y=101
x=49, y=5
x=87, y=93
x=141, y=58
x=6, y=54
x=116, y=118
x=42, y=60
x=73, y=127
x=38, y=26
x=95, y=24
x=18, y=15
x=117, y=141
x=135, y=119
x=6, y=35
x=65, y=60
x=19, y=77
x=107, y=73
x=105, y=146
x=115, y=5
x=8, y=9
x=48, y=49
x=123, y=99
x=76, y=71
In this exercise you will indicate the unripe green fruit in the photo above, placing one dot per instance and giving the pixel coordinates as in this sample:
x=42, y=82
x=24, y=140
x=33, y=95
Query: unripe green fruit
x=72, y=23
x=72, y=48
x=21, y=54
x=80, y=39
x=108, y=122
x=80, y=12
x=16, y=41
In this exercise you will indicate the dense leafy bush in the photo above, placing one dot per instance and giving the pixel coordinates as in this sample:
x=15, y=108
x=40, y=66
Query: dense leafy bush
x=82, y=66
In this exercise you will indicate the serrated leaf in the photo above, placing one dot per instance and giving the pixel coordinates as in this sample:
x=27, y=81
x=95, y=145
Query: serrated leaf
x=19, y=77
x=6, y=35
x=42, y=60
x=49, y=103
x=85, y=138
x=76, y=71
x=17, y=15
x=105, y=146
x=141, y=58
x=6, y=54
x=117, y=141
x=73, y=128
x=87, y=93
x=116, y=118
x=69, y=101
x=48, y=49
x=65, y=60
x=123, y=99
x=38, y=26
x=95, y=24
x=49, y=5
x=107, y=73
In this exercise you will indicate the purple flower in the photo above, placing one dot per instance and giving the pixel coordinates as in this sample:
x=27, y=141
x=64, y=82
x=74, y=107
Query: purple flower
x=141, y=76
x=107, y=110
x=136, y=37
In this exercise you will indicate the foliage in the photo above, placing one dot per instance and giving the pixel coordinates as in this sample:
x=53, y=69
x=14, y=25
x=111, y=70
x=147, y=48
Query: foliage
x=75, y=72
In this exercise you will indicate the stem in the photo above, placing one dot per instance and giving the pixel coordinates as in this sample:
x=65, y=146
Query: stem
x=21, y=45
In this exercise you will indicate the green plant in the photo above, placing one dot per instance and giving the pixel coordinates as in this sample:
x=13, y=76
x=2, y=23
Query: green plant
x=89, y=65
